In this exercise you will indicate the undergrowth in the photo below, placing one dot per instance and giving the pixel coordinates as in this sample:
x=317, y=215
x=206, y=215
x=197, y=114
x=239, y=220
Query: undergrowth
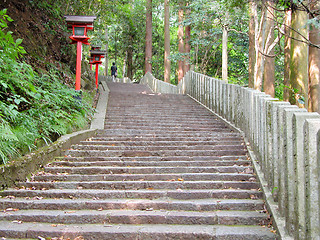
x=34, y=107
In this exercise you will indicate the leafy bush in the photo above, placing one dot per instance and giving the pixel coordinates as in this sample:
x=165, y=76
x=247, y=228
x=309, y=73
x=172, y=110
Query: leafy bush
x=34, y=107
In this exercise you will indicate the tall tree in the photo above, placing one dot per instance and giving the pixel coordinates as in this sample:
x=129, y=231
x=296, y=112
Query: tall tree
x=314, y=60
x=107, y=55
x=181, y=40
x=269, y=69
x=167, y=63
x=298, y=55
x=187, y=42
x=287, y=50
x=225, y=53
x=148, y=50
x=260, y=33
x=252, y=53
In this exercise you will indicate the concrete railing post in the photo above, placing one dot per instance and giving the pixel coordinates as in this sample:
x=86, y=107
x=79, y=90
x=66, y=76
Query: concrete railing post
x=299, y=191
x=312, y=172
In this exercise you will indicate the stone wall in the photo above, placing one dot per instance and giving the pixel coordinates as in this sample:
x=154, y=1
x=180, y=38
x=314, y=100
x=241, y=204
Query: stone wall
x=284, y=141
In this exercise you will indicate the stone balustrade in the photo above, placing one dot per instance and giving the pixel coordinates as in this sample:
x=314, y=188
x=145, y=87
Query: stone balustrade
x=284, y=141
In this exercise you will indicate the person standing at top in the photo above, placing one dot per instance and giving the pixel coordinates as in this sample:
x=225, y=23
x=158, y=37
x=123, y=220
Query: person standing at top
x=114, y=71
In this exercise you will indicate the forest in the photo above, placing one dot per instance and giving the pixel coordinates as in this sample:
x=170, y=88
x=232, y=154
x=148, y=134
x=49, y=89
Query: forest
x=268, y=45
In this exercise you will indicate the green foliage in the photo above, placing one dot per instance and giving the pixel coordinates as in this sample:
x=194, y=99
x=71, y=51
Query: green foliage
x=34, y=107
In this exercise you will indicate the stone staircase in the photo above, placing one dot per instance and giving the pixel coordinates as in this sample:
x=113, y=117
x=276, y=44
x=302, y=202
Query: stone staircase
x=163, y=168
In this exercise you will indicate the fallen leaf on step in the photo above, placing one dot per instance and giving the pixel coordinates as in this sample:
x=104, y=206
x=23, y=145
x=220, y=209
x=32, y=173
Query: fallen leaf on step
x=253, y=197
x=11, y=197
x=11, y=210
x=79, y=238
x=69, y=211
x=17, y=221
x=150, y=188
x=180, y=179
x=54, y=225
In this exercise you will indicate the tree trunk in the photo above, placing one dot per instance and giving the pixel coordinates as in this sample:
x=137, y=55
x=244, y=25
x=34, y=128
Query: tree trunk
x=130, y=59
x=167, y=63
x=298, y=60
x=187, y=49
x=124, y=68
x=269, y=69
x=252, y=53
x=314, y=63
x=287, y=50
x=148, y=51
x=259, y=44
x=225, y=53
x=107, y=56
x=187, y=45
x=181, y=42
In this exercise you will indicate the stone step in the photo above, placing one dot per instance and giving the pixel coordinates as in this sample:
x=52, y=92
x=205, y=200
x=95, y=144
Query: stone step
x=9, y=205
x=137, y=217
x=147, y=170
x=165, y=128
x=161, y=133
x=128, y=232
x=116, y=121
x=137, y=153
x=126, y=185
x=223, y=160
x=138, y=142
x=165, y=138
x=159, y=147
x=80, y=162
x=43, y=176
x=143, y=193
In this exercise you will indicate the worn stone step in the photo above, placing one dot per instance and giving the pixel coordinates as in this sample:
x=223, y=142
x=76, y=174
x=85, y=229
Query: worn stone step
x=202, y=127
x=233, y=160
x=137, y=142
x=152, y=111
x=136, y=153
x=139, y=232
x=79, y=162
x=166, y=138
x=147, y=170
x=9, y=205
x=159, y=148
x=43, y=176
x=158, y=122
x=161, y=133
x=143, y=193
x=137, y=217
x=125, y=185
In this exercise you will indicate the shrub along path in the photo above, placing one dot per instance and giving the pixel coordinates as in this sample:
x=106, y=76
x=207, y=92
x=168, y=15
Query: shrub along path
x=163, y=168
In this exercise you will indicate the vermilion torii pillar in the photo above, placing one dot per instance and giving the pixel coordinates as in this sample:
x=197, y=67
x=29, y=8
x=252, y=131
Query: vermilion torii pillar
x=80, y=25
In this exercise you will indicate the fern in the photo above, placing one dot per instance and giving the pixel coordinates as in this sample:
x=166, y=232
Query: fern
x=7, y=143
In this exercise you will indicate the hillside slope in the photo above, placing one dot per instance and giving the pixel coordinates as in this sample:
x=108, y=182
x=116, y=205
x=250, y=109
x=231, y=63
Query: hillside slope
x=37, y=88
